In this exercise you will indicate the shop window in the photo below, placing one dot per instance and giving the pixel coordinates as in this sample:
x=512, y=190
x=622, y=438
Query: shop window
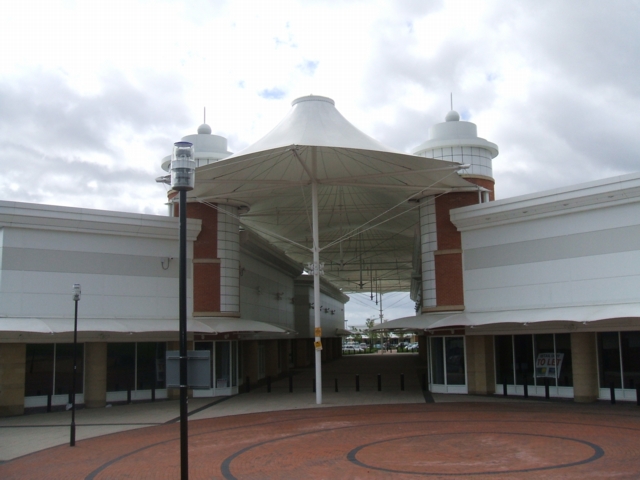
x=437, y=361
x=524, y=359
x=223, y=368
x=121, y=364
x=504, y=359
x=630, y=343
x=455, y=360
x=64, y=368
x=39, y=370
x=609, y=360
x=204, y=346
x=546, y=368
x=150, y=365
x=234, y=364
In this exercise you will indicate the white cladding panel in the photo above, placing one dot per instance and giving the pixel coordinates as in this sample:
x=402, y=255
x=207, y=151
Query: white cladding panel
x=121, y=276
x=260, y=285
x=585, y=257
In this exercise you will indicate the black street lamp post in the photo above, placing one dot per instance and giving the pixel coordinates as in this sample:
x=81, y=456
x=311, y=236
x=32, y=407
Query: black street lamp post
x=76, y=299
x=182, y=180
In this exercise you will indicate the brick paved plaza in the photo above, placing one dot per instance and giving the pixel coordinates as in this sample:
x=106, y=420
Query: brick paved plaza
x=482, y=440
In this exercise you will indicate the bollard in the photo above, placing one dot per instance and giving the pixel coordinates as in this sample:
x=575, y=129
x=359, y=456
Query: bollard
x=424, y=381
x=504, y=387
x=402, y=382
x=638, y=395
x=336, y=381
x=128, y=395
x=49, y=403
x=291, y=383
x=526, y=389
x=379, y=382
x=314, y=385
x=247, y=385
x=153, y=394
x=269, y=384
x=357, y=383
x=612, y=389
x=546, y=388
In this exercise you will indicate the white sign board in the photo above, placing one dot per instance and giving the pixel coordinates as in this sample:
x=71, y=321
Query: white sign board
x=549, y=365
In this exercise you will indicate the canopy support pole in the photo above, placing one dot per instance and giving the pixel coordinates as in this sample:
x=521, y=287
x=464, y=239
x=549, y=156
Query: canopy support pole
x=316, y=275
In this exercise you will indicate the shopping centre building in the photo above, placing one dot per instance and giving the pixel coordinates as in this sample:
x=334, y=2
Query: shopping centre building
x=538, y=290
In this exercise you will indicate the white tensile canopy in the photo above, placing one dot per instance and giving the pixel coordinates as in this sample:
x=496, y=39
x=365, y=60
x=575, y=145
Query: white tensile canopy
x=366, y=223
x=324, y=192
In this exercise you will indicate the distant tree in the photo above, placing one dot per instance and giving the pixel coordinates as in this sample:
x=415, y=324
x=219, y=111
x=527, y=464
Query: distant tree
x=370, y=322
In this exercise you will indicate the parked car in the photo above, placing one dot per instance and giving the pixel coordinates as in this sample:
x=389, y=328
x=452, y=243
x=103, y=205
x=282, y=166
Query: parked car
x=412, y=347
x=352, y=347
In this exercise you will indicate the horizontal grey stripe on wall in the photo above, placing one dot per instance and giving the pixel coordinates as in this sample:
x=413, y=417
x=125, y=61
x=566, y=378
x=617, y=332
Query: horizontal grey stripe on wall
x=40, y=260
x=601, y=242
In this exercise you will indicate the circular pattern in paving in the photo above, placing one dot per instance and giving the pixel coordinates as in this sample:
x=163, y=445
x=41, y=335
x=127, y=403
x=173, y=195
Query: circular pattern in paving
x=521, y=440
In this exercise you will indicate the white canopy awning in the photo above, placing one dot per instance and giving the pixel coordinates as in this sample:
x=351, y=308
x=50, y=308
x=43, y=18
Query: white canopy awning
x=139, y=325
x=366, y=223
x=579, y=314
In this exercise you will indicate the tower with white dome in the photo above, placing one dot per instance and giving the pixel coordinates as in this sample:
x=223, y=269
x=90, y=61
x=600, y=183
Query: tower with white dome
x=457, y=141
x=453, y=140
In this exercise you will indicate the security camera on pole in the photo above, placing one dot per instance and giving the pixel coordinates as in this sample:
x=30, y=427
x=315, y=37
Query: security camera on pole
x=183, y=168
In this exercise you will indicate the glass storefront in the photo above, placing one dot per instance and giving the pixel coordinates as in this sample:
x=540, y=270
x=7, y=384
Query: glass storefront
x=224, y=368
x=49, y=369
x=138, y=368
x=619, y=363
x=447, y=373
x=534, y=360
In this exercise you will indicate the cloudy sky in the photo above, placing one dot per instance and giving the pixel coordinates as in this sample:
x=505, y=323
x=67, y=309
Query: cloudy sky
x=94, y=93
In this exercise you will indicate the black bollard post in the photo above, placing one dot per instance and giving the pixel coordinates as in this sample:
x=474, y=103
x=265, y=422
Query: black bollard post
x=153, y=394
x=128, y=395
x=612, y=389
x=291, y=383
x=336, y=381
x=314, y=385
x=247, y=385
x=379, y=382
x=49, y=403
x=546, y=388
x=638, y=395
x=269, y=384
x=402, y=382
x=526, y=388
x=357, y=383
x=424, y=381
x=504, y=387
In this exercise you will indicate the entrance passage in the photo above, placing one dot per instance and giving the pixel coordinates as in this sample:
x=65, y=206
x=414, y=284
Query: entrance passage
x=447, y=372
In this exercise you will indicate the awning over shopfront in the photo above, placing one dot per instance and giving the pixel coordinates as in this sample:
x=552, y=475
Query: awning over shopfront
x=578, y=314
x=341, y=332
x=140, y=325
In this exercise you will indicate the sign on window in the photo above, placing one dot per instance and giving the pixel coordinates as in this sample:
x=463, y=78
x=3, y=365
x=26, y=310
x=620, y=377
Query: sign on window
x=549, y=365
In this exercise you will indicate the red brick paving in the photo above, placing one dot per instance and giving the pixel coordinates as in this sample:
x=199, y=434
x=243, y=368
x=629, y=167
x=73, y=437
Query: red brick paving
x=471, y=440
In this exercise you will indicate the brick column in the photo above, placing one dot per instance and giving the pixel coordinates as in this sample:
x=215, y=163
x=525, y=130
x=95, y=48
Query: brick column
x=585, y=367
x=12, y=377
x=95, y=385
x=480, y=364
